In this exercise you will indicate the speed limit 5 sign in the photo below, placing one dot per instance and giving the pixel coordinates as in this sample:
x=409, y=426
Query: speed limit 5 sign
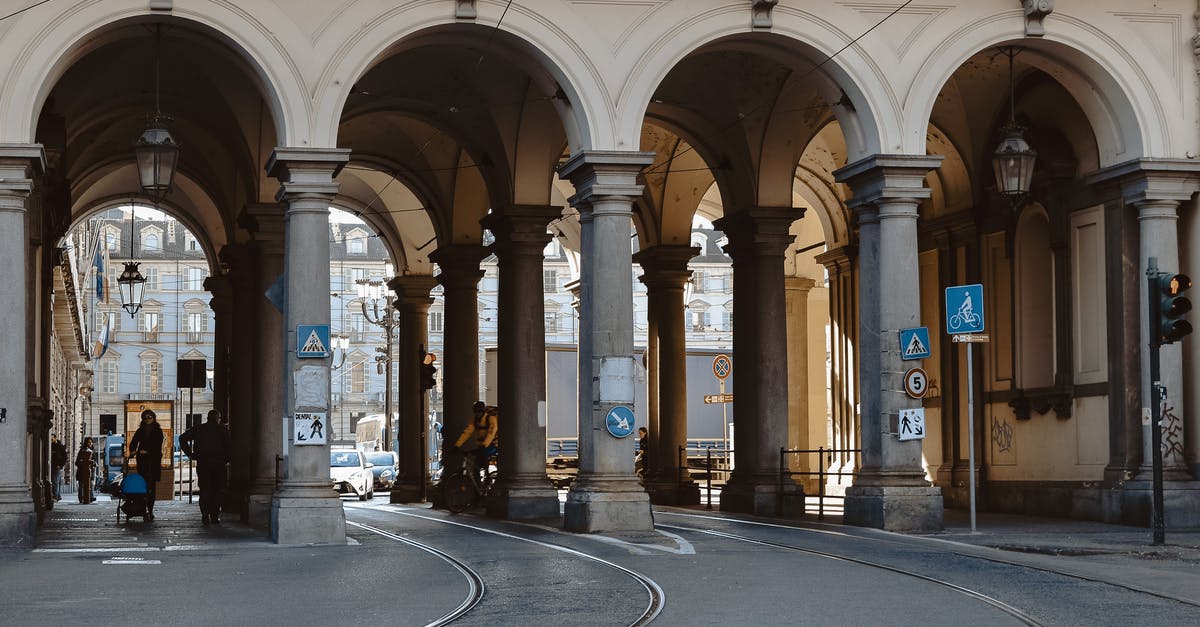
x=916, y=383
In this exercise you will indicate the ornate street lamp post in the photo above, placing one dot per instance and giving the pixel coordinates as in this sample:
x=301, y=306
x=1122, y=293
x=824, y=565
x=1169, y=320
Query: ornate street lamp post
x=388, y=319
x=1013, y=159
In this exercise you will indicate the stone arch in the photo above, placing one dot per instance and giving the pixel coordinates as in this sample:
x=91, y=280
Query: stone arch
x=535, y=44
x=869, y=124
x=203, y=238
x=53, y=46
x=1117, y=95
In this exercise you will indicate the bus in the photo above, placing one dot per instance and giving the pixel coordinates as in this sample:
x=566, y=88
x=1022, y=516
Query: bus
x=370, y=432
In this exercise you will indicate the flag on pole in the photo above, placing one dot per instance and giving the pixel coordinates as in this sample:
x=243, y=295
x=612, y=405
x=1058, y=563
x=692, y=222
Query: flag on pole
x=101, y=278
x=101, y=345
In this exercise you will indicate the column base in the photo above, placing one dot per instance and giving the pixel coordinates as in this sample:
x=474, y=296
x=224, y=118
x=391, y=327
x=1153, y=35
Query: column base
x=300, y=517
x=668, y=492
x=18, y=520
x=609, y=504
x=1181, y=504
x=760, y=495
x=406, y=492
x=523, y=499
x=900, y=508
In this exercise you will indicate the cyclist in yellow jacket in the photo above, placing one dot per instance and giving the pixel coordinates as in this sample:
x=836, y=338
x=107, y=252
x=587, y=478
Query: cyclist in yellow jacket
x=479, y=438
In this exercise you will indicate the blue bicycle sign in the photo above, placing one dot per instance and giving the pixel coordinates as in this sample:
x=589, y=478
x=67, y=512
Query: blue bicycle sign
x=964, y=309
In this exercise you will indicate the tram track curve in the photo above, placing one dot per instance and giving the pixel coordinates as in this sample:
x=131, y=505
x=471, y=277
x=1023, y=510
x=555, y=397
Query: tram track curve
x=979, y=596
x=475, y=583
x=656, y=596
x=993, y=559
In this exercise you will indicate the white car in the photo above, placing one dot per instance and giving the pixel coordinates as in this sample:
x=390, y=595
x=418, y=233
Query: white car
x=351, y=474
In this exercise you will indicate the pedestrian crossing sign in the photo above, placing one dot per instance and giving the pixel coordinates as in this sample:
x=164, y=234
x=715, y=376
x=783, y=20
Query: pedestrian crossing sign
x=914, y=343
x=312, y=340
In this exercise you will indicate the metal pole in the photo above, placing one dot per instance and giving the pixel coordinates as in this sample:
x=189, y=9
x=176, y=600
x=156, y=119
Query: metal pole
x=191, y=411
x=971, y=429
x=820, y=483
x=387, y=385
x=708, y=480
x=724, y=420
x=1157, y=521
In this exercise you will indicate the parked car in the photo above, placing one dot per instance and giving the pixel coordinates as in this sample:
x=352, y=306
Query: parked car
x=351, y=473
x=110, y=459
x=386, y=465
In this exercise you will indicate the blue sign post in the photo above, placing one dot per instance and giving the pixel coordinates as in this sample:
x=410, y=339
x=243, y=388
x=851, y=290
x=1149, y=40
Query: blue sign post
x=964, y=309
x=619, y=421
x=312, y=340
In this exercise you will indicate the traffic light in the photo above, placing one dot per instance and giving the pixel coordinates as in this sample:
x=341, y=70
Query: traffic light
x=428, y=372
x=1170, y=325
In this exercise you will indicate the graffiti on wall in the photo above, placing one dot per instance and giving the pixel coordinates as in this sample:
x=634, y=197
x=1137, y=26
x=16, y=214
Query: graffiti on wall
x=1002, y=434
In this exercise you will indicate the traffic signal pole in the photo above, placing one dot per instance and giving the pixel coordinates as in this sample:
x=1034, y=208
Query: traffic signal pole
x=1156, y=512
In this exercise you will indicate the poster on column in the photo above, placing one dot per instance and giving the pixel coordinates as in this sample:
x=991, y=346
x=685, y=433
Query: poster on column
x=912, y=424
x=309, y=428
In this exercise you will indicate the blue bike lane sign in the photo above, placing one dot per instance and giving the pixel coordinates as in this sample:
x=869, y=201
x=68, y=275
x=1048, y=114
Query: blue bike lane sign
x=964, y=309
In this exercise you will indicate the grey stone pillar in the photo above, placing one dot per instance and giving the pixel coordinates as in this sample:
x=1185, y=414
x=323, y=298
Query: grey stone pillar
x=758, y=238
x=796, y=291
x=459, y=278
x=665, y=273
x=221, y=303
x=413, y=301
x=606, y=495
x=238, y=377
x=523, y=490
x=266, y=341
x=890, y=491
x=18, y=166
x=304, y=510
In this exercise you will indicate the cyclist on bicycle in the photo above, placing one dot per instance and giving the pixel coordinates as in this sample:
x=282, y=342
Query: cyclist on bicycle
x=479, y=437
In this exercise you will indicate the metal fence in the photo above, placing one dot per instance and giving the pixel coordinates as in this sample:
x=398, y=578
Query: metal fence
x=711, y=458
x=824, y=460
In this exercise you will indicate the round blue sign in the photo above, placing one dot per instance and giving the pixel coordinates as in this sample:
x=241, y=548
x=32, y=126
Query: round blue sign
x=619, y=421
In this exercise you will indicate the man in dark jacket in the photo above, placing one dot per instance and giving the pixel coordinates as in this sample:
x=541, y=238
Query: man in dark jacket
x=58, y=459
x=208, y=444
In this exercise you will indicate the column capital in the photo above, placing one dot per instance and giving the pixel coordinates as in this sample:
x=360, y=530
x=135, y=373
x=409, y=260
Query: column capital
x=459, y=264
x=598, y=173
x=521, y=228
x=879, y=178
x=838, y=259
x=412, y=292
x=306, y=171
x=798, y=283
x=1142, y=180
x=759, y=231
x=665, y=266
x=221, y=288
x=265, y=223
x=19, y=165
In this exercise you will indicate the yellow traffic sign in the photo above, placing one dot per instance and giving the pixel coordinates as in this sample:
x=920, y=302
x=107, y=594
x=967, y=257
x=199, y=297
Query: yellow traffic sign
x=711, y=399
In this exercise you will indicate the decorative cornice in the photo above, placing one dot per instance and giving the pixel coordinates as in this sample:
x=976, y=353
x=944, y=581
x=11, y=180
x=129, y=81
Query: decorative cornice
x=892, y=177
x=605, y=173
x=1142, y=180
x=760, y=13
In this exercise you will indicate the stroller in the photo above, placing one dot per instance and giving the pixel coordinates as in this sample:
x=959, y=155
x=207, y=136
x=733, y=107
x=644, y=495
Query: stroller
x=132, y=497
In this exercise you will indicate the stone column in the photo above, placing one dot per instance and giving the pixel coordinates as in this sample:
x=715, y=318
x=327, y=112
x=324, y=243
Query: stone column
x=18, y=166
x=606, y=495
x=523, y=490
x=413, y=301
x=758, y=238
x=304, y=510
x=263, y=342
x=796, y=291
x=890, y=491
x=665, y=273
x=221, y=303
x=460, y=360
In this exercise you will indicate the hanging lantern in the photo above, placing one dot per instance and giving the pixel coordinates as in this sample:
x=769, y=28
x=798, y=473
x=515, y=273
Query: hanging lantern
x=1013, y=162
x=157, y=155
x=132, y=284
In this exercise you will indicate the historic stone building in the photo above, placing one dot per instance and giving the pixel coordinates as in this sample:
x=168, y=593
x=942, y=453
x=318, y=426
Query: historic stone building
x=848, y=144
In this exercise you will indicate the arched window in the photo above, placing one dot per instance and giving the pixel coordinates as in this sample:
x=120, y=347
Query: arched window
x=150, y=243
x=1035, y=310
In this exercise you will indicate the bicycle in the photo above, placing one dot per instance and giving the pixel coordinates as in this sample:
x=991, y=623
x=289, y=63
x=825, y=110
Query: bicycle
x=463, y=488
x=969, y=318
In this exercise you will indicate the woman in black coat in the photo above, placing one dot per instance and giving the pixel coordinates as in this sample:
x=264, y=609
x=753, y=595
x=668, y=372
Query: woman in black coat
x=146, y=447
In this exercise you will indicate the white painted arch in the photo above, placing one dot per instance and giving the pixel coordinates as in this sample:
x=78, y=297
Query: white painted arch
x=1117, y=88
x=44, y=45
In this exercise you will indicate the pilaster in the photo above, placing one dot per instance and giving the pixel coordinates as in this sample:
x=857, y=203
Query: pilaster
x=758, y=238
x=523, y=490
x=221, y=303
x=606, y=495
x=19, y=165
x=413, y=301
x=665, y=273
x=890, y=490
x=843, y=311
x=304, y=510
x=796, y=290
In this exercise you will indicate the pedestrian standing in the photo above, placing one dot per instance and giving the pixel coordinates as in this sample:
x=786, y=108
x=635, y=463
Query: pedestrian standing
x=146, y=447
x=208, y=444
x=58, y=459
x=85, y=469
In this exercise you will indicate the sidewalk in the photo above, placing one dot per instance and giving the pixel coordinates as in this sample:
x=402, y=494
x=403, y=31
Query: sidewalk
x=1057, y=536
